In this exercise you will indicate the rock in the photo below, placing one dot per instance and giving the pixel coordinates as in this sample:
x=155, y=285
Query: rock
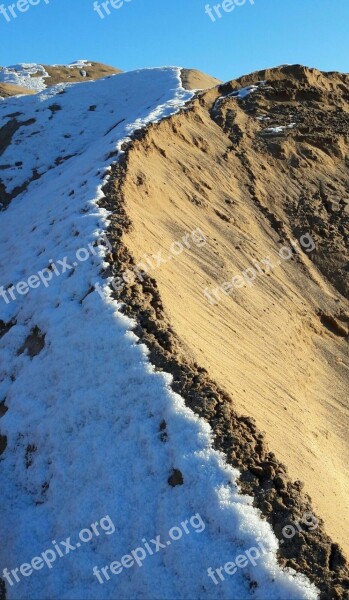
x=34, y=343
x=269, y=472
x=277, y=150
x=295, y=162
x=176, y=478
x=249, y=477
x=258, y=471
x=268, y=485
x=290, y=502
x=337, y=558
x=250, y=421
x=163, y=431
x=280, y=483
x=299, y=484
x=334, y=206
x=266, y=507
x=3, y=443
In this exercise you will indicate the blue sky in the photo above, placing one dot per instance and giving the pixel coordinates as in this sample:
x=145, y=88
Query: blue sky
x=144, y=33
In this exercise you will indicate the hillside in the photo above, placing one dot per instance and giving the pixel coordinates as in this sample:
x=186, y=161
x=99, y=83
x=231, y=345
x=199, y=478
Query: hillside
x=30, y=78
x=36, y=78
x=139, y=384
x=255, y=173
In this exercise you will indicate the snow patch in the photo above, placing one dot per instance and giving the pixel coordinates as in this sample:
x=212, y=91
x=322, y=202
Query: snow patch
x=25, y=75
x=279, y=129
x=246, y=91
x=240, y=94
x=78, y=64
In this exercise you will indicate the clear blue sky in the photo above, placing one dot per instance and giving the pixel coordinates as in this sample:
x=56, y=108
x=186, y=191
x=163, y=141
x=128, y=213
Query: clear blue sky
x=145, y=33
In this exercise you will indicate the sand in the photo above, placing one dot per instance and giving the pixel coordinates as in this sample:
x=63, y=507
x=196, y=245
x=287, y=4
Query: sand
x=7, y=90
x=61, y=74
x=277, y=347
x=192, y=79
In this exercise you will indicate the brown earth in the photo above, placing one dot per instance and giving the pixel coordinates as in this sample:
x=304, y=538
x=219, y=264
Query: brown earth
x=196, y=80
x=61, y=74
x=7, y=90
x=277, y=350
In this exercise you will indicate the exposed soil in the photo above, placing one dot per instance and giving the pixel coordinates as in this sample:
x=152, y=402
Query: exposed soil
x=6, y=134
x=33, y=344
x=196, y=80
x=61, y=74
x=7, y=90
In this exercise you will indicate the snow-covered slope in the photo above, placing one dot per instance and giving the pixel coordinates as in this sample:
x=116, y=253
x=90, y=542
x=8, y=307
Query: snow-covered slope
x=85, y=408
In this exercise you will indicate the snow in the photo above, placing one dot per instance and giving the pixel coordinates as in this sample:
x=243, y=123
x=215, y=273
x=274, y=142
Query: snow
x=77, y=64
x=32, y=76
x=26, y=75
x=90, y=401
x=240, y=94
x=279, y=129
x=244, y=92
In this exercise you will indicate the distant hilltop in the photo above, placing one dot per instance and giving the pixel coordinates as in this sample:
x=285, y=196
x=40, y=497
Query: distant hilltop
x=35, y=78
x=30, y=78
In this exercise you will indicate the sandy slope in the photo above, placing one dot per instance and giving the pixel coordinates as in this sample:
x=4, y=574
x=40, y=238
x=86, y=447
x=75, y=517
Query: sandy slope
x=266, y=344
x=65, y=74
x=7, y=90
x=192, y=79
